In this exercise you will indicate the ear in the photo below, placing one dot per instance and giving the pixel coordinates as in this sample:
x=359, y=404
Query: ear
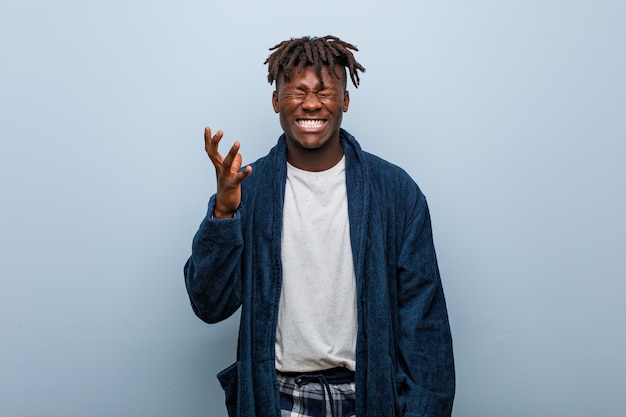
x=346, y=101
x=275, y=101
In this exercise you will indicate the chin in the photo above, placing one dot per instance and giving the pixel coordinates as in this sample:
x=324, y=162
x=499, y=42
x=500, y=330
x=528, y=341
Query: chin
x=308, y=142
x=311, y=145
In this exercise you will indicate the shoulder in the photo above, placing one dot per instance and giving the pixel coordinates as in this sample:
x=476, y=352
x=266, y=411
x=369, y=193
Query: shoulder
x=385, y=178
x=391, y=179
x=379, y=169
x=384, y=167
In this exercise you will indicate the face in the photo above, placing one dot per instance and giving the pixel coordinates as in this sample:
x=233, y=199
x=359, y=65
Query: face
x=311, y=109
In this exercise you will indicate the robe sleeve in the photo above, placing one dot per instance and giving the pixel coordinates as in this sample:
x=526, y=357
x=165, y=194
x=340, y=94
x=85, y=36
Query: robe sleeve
x=425, y=374
x=213, y=271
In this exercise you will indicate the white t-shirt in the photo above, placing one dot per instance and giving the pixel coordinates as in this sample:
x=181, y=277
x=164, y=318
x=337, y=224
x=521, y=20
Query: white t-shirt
x=317, y=317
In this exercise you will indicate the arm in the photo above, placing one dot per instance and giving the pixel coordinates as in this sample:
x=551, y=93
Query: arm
x=425, y=372
x=212, y=273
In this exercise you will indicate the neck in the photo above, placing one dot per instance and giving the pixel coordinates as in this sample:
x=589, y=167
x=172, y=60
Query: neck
x=315, y=160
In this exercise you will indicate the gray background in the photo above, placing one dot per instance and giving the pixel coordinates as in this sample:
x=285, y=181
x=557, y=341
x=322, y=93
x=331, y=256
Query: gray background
x=511, y=115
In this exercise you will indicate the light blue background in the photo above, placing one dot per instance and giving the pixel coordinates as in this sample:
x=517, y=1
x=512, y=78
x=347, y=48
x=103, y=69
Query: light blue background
x=511, y=115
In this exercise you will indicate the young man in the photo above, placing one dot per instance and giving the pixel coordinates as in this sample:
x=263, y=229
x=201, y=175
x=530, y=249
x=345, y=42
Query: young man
x=328, y=251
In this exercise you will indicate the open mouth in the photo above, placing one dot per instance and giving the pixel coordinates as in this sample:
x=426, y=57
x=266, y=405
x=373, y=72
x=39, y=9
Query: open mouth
x=311, y=123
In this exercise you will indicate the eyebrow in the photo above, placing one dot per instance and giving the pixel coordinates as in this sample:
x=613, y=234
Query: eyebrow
x=302, y=87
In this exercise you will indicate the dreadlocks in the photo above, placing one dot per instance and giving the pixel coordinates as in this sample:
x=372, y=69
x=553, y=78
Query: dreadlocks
x=317, y=52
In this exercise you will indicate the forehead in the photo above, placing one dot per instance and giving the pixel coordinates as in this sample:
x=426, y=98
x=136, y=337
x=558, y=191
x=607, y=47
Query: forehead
x=307, y=75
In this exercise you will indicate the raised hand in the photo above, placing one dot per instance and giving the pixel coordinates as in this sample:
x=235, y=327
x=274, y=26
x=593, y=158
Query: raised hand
x=227, y=171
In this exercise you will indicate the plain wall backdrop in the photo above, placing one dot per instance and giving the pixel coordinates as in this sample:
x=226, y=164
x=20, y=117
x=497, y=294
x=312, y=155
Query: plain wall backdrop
x=511, y=115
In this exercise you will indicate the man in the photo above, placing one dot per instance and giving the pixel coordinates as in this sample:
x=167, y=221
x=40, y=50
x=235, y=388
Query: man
x=328, y=251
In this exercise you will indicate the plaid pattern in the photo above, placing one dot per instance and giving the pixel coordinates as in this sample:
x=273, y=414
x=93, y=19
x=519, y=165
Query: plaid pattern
x=312, y=399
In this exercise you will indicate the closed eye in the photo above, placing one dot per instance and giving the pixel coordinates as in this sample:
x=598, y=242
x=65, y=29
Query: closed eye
x=295, y=95
x=326, y=95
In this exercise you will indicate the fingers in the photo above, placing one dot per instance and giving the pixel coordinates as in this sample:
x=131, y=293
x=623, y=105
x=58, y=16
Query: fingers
x=211, y=144
x=243, y=174
x=231, y=157
x=231, y=163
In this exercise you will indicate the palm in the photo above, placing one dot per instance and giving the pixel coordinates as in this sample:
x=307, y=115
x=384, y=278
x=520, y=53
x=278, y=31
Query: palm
x=228, y=173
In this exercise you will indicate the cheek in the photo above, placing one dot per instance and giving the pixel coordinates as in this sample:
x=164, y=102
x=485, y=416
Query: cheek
x=341, y=107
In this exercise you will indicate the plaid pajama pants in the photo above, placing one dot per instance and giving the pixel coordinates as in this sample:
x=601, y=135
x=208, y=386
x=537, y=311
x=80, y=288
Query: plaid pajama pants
x=326, y=394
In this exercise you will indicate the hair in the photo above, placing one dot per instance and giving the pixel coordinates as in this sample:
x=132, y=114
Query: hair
x=297, y=53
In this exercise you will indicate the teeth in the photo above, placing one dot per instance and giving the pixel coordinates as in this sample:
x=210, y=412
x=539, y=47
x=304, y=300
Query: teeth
x=310, y=123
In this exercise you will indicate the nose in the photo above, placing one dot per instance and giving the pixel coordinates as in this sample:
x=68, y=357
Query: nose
x=311, y=102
